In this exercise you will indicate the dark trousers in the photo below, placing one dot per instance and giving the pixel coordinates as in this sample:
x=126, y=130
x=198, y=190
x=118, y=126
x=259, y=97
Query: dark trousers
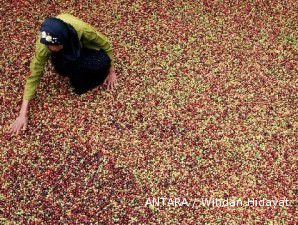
x=89, y=71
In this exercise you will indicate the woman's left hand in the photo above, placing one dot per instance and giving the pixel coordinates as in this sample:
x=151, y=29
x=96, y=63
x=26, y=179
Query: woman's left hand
x=111, y=79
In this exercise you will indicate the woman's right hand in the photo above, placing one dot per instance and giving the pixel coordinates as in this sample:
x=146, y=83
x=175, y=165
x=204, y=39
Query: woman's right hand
x=20, y=123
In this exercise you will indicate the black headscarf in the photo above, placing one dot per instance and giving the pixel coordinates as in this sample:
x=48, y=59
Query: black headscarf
x=55, y=31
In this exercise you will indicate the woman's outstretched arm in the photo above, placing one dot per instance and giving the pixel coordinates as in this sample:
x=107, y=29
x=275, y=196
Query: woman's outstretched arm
x=22, y=120
x=37, y=65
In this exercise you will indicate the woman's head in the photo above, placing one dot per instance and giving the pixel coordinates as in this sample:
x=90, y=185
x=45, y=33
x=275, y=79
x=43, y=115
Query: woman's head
x=58, y=35
x=53, y=32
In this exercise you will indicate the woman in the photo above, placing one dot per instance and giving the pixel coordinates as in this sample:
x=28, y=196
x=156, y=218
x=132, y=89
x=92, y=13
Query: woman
x=77, y=51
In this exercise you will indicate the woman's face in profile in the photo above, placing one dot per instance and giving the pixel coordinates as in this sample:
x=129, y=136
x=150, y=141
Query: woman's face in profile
x=55, y=48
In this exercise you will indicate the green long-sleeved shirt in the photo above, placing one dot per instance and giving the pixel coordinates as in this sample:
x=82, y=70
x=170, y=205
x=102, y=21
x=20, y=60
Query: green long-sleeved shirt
x=89, y=38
